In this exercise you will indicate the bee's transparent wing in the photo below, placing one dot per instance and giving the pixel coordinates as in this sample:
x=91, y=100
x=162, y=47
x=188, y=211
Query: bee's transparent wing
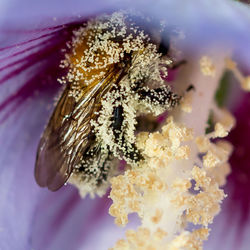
x=66, y=136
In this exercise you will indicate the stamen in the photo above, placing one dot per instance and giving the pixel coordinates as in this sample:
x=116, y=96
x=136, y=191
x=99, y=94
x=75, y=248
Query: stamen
x=174, y=179
x=244, y=80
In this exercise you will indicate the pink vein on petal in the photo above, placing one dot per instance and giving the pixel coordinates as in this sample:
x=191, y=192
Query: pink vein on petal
x=48, y=56
x=27, y=49
x=65, y=210
x=101, y=210
x=31, y=59
x=56, y=28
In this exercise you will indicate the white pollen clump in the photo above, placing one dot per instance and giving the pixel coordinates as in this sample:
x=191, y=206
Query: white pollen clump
x=207, y=66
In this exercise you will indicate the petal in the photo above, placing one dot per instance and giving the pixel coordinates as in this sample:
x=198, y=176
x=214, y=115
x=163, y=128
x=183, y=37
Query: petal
x=19, y=192
x=20, y=132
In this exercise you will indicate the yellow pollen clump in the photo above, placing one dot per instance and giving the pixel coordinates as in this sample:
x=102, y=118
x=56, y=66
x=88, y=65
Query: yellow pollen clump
x=141, y=140
x=207, y=66
x=183, y=152
x=181, y=185
x=210, y=160
x=204, y=207
x=142, y=239
x=202, y=143
x=189, y=241
x=224, y=125
x=244, y=81
x=176, y=134
x=228, y=120
x=220, y=130
x=201, y=180
x=157, y=217
x=160, y=185
x=159, y=234
x=220, y=173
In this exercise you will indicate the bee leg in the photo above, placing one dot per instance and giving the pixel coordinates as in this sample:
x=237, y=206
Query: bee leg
x=131, y=153
x=129, y=150
x=117, y=120
x=159, y=96
x=95, y=165
x=104, y=166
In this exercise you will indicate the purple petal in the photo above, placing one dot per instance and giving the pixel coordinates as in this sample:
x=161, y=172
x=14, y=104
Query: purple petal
x=239, y=180
x=33, y=217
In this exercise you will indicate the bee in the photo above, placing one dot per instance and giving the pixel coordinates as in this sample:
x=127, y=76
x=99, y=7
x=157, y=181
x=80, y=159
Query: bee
x=95, y=118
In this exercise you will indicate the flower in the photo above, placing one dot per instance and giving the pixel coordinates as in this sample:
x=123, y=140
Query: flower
x=35, y=218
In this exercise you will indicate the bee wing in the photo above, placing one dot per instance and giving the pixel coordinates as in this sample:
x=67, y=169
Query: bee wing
x=65, y=138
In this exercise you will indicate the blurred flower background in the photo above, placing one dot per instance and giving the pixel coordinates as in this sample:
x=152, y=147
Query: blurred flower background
x=32, y=35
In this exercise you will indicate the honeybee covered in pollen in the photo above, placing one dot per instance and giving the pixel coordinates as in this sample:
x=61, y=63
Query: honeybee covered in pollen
x=115, y=73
